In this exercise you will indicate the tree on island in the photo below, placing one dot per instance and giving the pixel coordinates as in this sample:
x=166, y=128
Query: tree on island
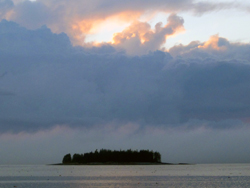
x=108, y=156
x=67, y=159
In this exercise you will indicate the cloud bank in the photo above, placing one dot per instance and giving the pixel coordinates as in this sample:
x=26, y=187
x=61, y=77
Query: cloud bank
x=46, y=81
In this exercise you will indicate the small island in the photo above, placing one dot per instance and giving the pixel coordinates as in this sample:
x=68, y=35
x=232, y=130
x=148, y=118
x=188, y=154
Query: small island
x=108, y=157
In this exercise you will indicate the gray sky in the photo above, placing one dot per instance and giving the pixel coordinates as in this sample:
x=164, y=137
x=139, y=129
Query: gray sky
x=190, y=103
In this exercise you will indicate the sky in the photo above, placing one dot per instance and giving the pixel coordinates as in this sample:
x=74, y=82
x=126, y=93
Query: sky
x=166, y=75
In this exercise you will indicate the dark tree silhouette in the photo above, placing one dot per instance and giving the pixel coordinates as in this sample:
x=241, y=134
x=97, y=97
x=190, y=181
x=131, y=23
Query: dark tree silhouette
x=157, y=157
x=66, y=159
x=108, y=156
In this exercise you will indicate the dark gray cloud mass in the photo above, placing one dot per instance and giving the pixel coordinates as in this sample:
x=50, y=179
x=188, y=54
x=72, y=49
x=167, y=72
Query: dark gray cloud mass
x=17, y=40
x=46, y=82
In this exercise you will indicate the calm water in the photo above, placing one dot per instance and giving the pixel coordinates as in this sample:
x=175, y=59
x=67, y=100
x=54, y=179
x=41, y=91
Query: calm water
x=39, y=176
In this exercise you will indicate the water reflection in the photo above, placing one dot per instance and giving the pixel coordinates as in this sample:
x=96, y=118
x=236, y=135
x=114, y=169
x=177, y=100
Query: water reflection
x=40, y=176
x=128, y=182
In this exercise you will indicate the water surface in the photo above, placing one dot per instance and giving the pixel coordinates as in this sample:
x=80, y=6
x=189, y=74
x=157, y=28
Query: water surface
x=201, y=175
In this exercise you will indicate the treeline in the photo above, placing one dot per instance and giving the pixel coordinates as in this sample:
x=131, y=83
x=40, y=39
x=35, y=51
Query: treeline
x=106, y=156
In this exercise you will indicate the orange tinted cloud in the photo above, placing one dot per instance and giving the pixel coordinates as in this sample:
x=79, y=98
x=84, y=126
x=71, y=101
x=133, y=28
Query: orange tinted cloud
x=80, y=28
x=213, y=44
x=79, y=18
x=139, y=38
x=137, y=29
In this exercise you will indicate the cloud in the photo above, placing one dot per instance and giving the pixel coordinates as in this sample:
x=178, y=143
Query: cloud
x=32, y=14
x=200, y=8
x=139, y=38
x=216, y=47
x=18, y=40
x=53, y=83
x=187, y=103
x=5, y=7
x=80, y=18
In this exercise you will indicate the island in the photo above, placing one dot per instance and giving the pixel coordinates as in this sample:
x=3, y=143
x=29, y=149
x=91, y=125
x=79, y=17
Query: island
x=109, y=157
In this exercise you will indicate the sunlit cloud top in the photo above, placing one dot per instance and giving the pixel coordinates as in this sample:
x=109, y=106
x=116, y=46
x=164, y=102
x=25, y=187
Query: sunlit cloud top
x=82, y=20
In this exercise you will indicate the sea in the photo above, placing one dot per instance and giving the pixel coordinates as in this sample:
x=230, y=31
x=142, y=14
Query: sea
x=121, y=176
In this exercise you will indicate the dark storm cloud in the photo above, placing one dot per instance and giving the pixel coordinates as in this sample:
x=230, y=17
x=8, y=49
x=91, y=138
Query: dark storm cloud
x=53, y=83
x=216, y=91
x=18, y=40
